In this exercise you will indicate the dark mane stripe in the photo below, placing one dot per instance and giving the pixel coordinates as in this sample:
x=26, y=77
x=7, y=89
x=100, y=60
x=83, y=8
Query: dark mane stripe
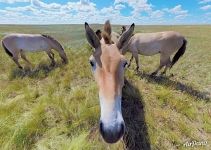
x=52, y=39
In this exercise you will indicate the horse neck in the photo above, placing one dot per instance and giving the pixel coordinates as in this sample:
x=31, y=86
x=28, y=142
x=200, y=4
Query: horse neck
x=55, y=45
x=125, y=48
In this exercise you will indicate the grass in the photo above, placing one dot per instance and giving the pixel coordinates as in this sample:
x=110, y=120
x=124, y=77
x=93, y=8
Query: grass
x=47, y=108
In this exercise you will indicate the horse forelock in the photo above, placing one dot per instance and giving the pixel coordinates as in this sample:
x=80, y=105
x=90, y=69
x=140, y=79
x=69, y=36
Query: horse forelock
x=107, y=38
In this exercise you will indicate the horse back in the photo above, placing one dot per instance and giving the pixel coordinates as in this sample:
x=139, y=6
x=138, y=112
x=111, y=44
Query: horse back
x=153, y=43
x=26, y=42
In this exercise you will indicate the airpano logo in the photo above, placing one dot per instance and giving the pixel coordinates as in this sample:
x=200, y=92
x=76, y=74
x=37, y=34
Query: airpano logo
x=195, y=143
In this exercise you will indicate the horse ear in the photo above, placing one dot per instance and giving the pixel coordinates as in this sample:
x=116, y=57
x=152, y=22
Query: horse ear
x=107, y=27
x=91, y=36
x=124, y=39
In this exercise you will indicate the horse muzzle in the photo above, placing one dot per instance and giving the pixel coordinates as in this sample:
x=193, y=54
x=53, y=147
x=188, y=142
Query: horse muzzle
x=112, y=125
x=112, y=134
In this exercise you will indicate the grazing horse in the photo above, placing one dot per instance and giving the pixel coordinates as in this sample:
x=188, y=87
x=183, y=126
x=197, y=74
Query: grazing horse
x=108, y=66
x=15, y=44
x=148, y=44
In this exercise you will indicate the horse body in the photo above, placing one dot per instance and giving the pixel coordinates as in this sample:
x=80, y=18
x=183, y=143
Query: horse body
x=26, y=42
x=148, y=44
x=15, y=44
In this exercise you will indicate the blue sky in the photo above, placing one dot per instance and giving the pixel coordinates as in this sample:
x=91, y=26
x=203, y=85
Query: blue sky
x=97, y=11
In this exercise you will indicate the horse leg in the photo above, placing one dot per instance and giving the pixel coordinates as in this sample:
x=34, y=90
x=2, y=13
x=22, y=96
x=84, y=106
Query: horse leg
x=51, y=56
x=168, y=65
x=15, y=59
x=23, y=56
x=63, y=55
x=163, y=62
x=156, y=71
x=135, y=55
x=131, y=59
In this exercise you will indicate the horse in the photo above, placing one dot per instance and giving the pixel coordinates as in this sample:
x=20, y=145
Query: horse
x=17, y=44
x=166, y=43
x=108, y=65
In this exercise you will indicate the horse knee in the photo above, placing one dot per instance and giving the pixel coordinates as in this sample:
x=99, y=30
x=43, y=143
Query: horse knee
x=52, y=54
x=14, y=58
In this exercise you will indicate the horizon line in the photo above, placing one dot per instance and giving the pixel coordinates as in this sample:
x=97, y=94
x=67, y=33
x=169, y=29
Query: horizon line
x=103, y=24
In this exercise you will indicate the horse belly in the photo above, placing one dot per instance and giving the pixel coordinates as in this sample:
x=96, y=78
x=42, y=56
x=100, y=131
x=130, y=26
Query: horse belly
x=149, y=49
x=33, y=46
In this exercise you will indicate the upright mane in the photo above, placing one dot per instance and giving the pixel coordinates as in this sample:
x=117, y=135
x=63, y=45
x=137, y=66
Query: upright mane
x=106, y=34
x=52, y=39
x=107, y=38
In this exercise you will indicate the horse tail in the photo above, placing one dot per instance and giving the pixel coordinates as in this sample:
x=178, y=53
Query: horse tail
x=6, y=50
x=179, y=53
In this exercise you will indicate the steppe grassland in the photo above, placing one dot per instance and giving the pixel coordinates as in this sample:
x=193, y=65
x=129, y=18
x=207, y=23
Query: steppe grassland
x=58, y=107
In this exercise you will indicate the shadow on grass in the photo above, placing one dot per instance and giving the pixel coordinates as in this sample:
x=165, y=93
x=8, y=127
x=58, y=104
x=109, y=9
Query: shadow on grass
x=136, y=135
x=165, y=81
x=41, y=71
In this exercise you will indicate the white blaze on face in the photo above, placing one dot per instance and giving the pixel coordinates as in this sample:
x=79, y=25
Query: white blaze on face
x=111, y=114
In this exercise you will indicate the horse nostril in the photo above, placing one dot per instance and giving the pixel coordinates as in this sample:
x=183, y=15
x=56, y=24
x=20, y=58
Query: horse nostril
x=122, y=130
x=101, y=128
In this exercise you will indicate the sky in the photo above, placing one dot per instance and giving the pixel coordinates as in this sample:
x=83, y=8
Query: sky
x=97, y=11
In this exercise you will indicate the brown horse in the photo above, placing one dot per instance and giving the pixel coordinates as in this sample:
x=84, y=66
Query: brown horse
x=17, y=44
x=148, y=44
x=108, y=66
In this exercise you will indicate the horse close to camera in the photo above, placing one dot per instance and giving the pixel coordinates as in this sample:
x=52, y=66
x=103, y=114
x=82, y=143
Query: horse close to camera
x=108, y=66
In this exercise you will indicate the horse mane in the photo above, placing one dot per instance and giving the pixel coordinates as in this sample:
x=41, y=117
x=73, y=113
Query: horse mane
x=107, y=38
x=106, y=34
x=52, y=39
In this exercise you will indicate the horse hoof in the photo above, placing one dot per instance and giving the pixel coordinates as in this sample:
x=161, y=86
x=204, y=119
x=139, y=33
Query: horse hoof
x=153, y=74
x=65, y=62
x=163, y=73
x=139, y=72
x=52, y=64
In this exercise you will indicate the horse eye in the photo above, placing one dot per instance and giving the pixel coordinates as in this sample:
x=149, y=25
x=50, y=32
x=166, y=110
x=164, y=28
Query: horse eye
x=91, y=63
x=125, y=64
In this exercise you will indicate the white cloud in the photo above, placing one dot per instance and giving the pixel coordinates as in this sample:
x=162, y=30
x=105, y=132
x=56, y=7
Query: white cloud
x=13, y=1
x=206, y=7
x=82, y=5
x=137, y=5
x=119, y=6
x=204, y=1
x=38, y=3
x=157, y=14
x=177, y=11
x=39, y=12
